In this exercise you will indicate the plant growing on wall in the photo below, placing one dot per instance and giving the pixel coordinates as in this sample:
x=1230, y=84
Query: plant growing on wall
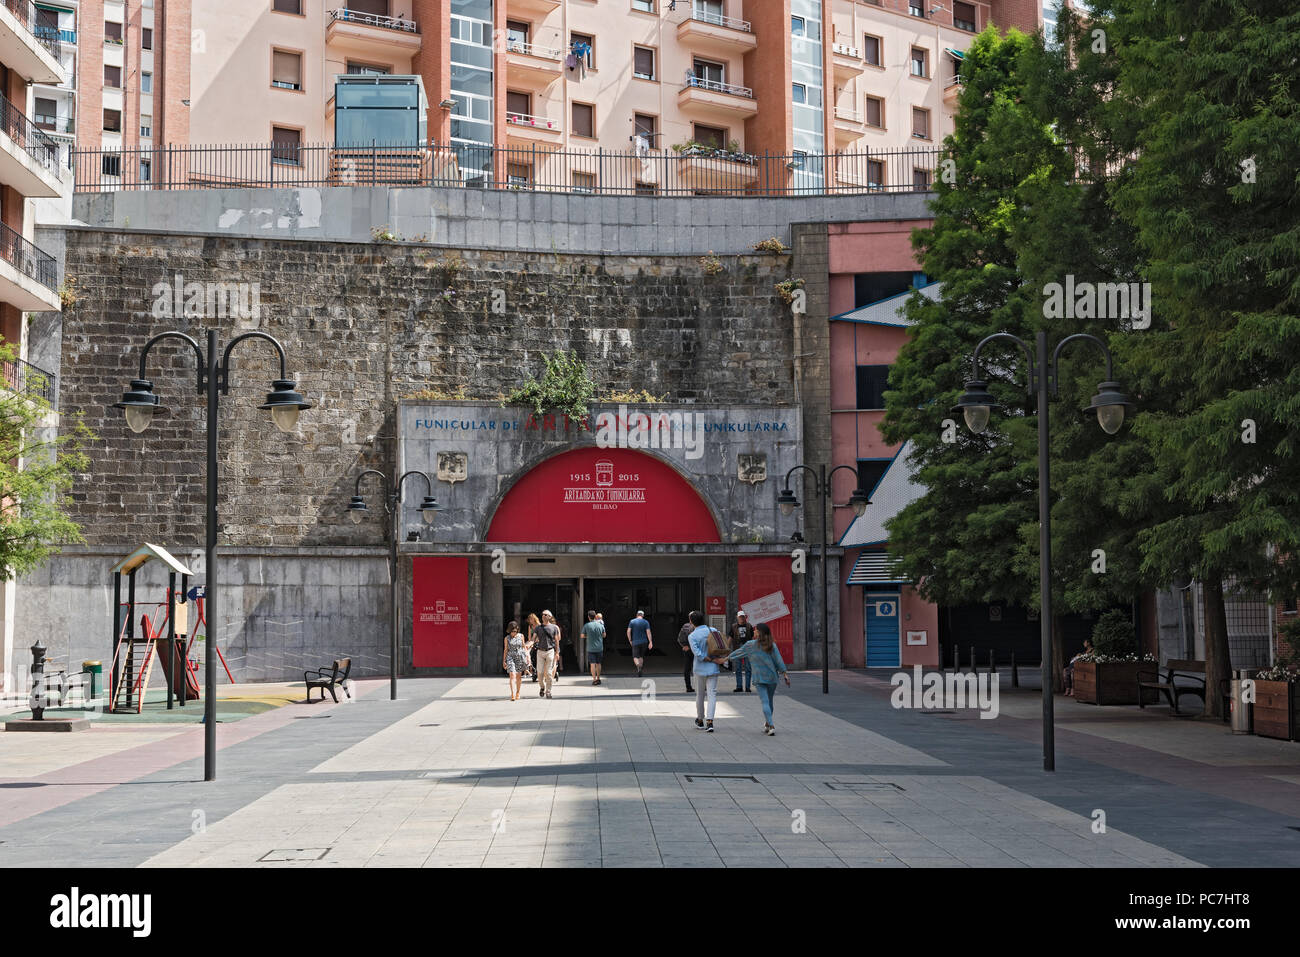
x=384, y=234
x=711, y=264
x=786, y=289
x=37, y=467
x=564, y=387
x=68, y=292
x=770, y=245
x=631, y=395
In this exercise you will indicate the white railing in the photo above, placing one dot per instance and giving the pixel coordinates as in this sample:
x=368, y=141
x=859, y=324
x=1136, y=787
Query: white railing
x=718, y=86
x=375, y=20
x=533, y=49
x=852, y=116
x=527, y=119
x=718, y=20
x=844, y=49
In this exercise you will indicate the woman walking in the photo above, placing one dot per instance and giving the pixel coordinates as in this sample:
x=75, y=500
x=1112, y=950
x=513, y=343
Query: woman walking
x=514, y=659
x=530, y=644
x=765, y=659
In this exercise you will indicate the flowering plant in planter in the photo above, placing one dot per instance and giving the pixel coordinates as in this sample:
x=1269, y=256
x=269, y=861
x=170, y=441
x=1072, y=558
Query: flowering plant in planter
x=1102, y=659
x=1278, y=672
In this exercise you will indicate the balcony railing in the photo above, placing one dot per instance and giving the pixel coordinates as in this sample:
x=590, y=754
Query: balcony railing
x=717, y=86
x=24, y=133
x=661, y=172
x=26, y=379
x=735, y=23
x=27, y=259
x=527, y=119
x=533, y=49
x=375, y=20
x=846, y=49
x=24, y=12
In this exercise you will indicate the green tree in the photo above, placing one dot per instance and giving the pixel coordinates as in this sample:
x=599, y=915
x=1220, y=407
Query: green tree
x=1213, y=199
x=37, y=468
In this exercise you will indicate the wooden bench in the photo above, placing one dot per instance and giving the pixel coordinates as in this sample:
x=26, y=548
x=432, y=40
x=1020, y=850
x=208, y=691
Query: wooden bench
x=1165, y=681
x=326, y=679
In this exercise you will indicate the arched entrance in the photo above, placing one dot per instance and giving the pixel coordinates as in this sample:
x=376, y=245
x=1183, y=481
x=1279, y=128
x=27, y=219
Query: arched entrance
x=623, y=500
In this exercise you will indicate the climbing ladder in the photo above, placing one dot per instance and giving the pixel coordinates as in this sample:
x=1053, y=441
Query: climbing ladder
x=134, y=680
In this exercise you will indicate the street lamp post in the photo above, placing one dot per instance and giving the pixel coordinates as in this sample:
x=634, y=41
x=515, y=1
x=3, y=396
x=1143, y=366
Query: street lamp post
x=140, y=404
x=1110, y=404
x=858, y=501
x=393, y=507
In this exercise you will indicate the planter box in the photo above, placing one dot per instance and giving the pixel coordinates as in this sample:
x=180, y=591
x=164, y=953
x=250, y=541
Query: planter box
x=1112, y=682
x=1276, y=706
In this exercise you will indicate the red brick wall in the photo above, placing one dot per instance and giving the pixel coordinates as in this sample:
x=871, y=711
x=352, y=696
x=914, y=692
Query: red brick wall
x=1024, y=15
x=90, y=74
x=433, y=62
x=767, y=73
x=171, y=45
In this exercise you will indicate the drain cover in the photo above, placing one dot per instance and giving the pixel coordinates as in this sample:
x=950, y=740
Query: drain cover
x=864, y=786
x=310, y=717
x=284, y=855
x=721, y=777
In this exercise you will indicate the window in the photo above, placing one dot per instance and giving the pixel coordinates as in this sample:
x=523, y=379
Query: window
x=920, y=62
x=518, y=104
x=584, y=120
x=286, y=70
x=920, y=123
x=584, y=182
x=47, y=113
x=710, y=11
x=112, y=77
x=916, y=9
x=709, y=73
x=643, y=63
x=1289, y=606
x=798, y=159
x=963, y=16
x=146, y=171
x=799, y=93
x=875, y=115
x=797, y=27
x=875, y=173
x=110, y=164
x=871, y=49
x=517, y=33
x=113, y=121
x=921, y=180
x=367, y=69
x=112, y=32
x=870, y=472
x=645, y=125
x=146, y=125
x=146, y=82
x=146, y=38
x=871, y=386
x=647, y=189
x=711, y=136
x=643, y=6
x=286, y=146
x=584, y=44
x=518, y=175
x=287, y=6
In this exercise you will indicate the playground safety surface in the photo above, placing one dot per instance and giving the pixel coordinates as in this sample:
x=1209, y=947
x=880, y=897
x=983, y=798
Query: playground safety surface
x=234, y=703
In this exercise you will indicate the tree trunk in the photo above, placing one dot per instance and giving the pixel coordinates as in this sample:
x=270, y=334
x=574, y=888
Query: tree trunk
x=1058, y=654
x=1218, y=665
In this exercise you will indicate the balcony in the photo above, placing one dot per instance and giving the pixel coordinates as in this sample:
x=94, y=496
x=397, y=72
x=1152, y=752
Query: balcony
x=20, y=50
x=26, y=379
x=531, y=66
x=846, y=60
x=539, y=7
x=952, y=92
x=524, y=129
x=717, y=100
x=29, y=159
x=721, y=170
x=371, y=34
x=849, y=125
x=708, y=33
x=28, y=277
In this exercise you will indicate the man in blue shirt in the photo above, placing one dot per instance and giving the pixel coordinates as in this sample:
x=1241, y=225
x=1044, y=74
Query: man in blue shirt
x=641, y=640
x=706, y=669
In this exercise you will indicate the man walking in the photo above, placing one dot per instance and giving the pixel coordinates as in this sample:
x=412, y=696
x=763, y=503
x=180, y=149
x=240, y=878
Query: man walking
x=740, y=633
x=707, y=660
x=688, y=656
x=641, y=640
x=594, y=632
x=548, y=646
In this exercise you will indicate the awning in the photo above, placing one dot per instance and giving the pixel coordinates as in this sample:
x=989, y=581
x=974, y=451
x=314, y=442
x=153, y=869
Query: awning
x=891, y=311
x=146, y=552
x=955, y=54
x=875, y=568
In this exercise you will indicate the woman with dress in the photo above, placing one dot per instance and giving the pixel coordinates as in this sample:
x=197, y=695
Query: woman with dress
x=514, y=659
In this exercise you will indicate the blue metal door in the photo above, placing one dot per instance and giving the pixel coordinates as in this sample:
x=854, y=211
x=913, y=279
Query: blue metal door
x=882, y=630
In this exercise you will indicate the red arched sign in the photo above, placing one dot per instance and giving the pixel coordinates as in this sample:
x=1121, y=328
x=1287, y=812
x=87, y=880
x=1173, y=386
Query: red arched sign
x=602, y=495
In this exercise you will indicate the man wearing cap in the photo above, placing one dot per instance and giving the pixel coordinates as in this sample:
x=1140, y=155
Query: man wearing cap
x=641, y=640
x=740, y=633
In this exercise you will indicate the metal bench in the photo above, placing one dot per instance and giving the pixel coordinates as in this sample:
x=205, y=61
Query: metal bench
x=327, y=679
x=1166, y=681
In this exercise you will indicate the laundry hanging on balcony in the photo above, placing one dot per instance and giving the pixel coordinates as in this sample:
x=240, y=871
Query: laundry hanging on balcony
x=579, y=57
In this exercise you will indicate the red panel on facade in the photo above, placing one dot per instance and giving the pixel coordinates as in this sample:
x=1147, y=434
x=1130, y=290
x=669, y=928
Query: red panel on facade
x=766, y=596
x=440, y=630
x=603, y=495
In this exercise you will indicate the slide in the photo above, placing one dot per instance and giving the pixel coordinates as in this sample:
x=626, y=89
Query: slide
x=181, y=672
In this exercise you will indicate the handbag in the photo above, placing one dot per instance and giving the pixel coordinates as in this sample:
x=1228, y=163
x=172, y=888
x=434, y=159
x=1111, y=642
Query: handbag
x=717, y=645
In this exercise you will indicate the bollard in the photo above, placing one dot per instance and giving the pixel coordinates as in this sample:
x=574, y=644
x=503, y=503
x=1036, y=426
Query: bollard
x=37, y=701
x=956, y=657
x=1015, y=677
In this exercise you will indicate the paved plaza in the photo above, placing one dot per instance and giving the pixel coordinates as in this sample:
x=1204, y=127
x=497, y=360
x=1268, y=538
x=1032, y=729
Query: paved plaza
x=455, y=774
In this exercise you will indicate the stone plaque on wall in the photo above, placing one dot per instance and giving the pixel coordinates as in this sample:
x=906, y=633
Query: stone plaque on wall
x=453, y=466
x=751, y=467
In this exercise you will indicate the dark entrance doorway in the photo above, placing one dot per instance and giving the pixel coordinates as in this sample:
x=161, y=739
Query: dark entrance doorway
x=559, y=597
x=666, y=603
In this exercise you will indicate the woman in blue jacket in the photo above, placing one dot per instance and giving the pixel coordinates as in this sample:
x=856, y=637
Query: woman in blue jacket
x=765, y=659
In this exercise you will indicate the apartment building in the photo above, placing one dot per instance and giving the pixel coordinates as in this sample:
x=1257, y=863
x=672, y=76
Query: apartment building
x=29, y=169
x=721, y=80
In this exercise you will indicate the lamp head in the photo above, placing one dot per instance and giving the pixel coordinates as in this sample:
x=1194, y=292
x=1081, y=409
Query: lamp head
x=140, y=405
x=357, y=509
x=787, y=501
x=858, y=501
x=429, y=509
x=1111, y=406
x=975, y=405
x=284, y=404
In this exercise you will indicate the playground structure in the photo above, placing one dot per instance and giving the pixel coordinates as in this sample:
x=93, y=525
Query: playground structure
x=134, y=654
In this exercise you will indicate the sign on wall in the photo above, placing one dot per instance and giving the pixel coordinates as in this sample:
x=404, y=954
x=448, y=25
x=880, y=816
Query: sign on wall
x=766, y=597
x=715, y=605
x=440, y=627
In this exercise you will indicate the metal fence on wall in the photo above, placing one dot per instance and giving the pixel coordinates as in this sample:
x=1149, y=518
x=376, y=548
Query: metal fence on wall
x=649, y=172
